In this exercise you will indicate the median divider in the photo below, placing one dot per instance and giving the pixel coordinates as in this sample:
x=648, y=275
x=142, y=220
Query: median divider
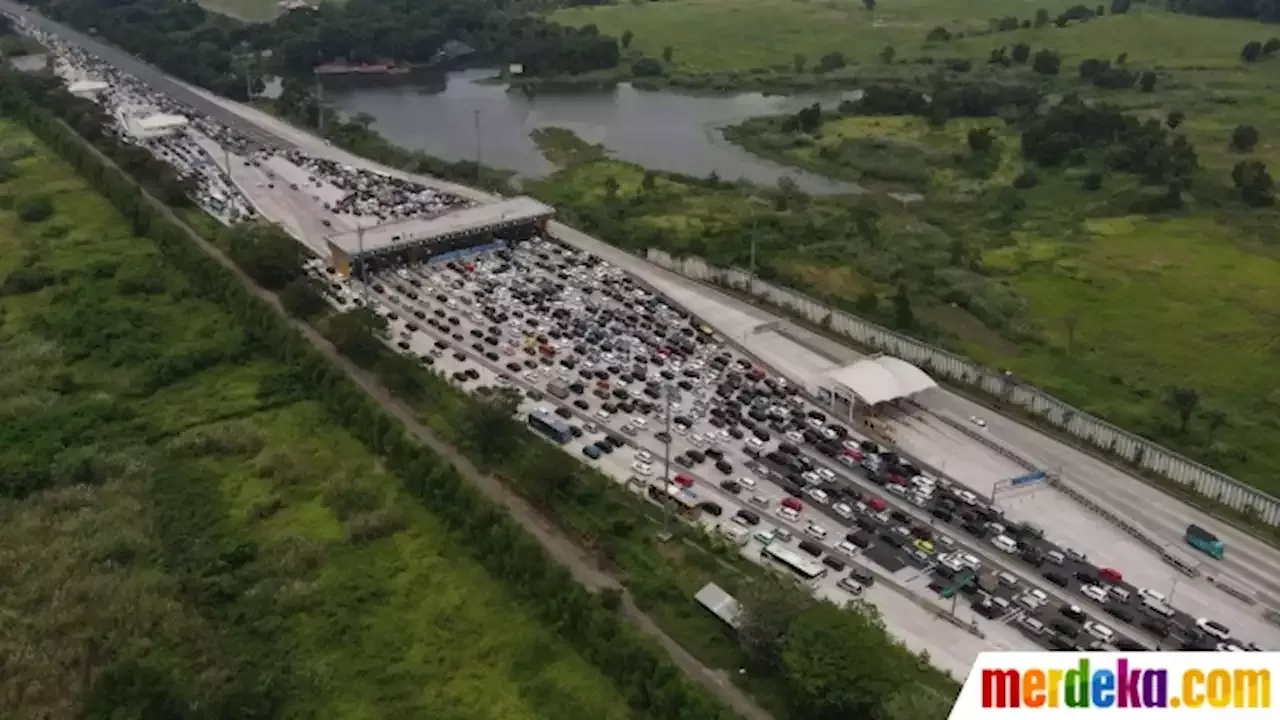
x=1127, y=527
x=1272, y=616
x=981, y=437
x=1231, y=590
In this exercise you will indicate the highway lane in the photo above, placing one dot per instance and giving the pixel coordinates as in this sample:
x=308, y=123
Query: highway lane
x=727, y=317
x=949, y=647
x=681, y=445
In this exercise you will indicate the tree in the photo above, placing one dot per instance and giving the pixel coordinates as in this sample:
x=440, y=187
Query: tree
x=870, y=5
x=627, y=37
x=1147, y=81
x=999, y=56
x=980, y=140
x=667, y=53
x=355, y=334
x=1271, y=46
x=903, y=316
x=647, y=67
x=1046, y=62
x=1184, y=402
x=648, y=182
x=1120, y=7
x=1020, y=53
x=1254, y=183
x=1042, y=18
x=1090, y=67
x=1214, y=420
x=36, y=208
x=1093, y=181
x=493, y=424
x=1122, y=58
x=797, y=62
x=267, y=253
x=868, y=303
x=611, y=187
x=1174, y=119
x=302, y=298
x=1026, y=180
x=769, y=606
x=837, y=665
x=1251, y=52
x=938, y=34
x=916, y=702
x=1244, y=138
x=888, y=54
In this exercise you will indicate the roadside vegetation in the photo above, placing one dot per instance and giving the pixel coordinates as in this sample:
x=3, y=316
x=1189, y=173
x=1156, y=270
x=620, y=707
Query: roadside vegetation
x=188, y=534
x=302, y=568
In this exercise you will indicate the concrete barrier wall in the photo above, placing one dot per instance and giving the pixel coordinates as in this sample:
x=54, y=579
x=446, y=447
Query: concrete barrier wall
x=945, y=365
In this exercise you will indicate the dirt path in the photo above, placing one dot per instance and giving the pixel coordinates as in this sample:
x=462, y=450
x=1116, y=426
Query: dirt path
x=552, y=539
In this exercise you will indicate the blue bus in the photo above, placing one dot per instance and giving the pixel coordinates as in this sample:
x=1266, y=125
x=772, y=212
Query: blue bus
x=1205, y=541
x=549, y=425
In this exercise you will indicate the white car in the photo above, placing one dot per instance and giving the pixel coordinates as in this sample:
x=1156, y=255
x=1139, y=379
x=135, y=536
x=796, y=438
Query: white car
x=747, y=482
x=795, y=437
x=843, y=510
x=1100, y=631
x=1032, y=625
x=1214, y=628
x=642, y=469
x=819, y=496
x=755, y=442
x=787, y=513
x=603, y=414
x=1005, y=544
x=644, y=457
x=896, y=489
x=847, y=548
x=851, y=586
x=1152, y=596
x=1033, y=599
x=1096, y=593
x=815, y=530
x=977, y=421
x=826, y=474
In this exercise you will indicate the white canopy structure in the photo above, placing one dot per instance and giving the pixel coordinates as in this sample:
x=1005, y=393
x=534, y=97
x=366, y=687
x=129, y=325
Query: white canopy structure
x=87, y=88
x=880, y=379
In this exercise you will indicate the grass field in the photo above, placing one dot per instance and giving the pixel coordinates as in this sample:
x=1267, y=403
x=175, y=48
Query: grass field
x=178, y=525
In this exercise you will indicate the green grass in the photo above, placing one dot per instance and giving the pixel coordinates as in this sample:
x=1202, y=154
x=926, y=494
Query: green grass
x=159, y=444
x=250, y=11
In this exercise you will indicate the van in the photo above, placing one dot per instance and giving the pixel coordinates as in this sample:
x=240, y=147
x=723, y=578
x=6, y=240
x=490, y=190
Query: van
x=811, y=547
x=788, y=513
x=1005, y=544
x=736, y=535
x=1157, y=607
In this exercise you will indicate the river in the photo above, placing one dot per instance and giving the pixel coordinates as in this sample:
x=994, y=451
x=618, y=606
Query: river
x=662, y=130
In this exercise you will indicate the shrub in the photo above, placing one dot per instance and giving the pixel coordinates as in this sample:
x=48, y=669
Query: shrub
x=35, y=209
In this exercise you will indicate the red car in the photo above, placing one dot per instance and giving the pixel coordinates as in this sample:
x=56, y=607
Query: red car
x=683, y=480
x=876, y=504
x=793, y=503
x=1111, y=576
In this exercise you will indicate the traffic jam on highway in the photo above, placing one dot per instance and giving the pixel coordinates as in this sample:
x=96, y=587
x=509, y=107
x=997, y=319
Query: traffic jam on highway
x=597, y=357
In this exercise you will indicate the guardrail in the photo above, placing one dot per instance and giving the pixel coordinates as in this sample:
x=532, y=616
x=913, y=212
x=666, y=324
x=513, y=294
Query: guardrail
x=1098, y=433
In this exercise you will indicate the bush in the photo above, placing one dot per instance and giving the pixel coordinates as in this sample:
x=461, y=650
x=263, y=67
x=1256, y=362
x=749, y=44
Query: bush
x=1026, y=180
x=1244, y=138
x=1093, y=181
x=35, y=209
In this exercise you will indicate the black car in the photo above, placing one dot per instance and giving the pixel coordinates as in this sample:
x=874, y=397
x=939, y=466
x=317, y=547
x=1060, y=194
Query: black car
x=730, y=486
x=748, y=517
x=1057, y=578
x=711, y=508
x=833, y=562
x=811, y=547
x=863, y=576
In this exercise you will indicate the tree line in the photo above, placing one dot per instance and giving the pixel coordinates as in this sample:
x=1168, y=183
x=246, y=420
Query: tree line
x=1264, y=10
x=877, y=677
x=230, y=58
x=642, y=672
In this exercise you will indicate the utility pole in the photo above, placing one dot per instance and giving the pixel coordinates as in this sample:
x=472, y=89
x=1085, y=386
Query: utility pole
x=478, y=143
x=364, y=266
x=755, y=219
x=670, y=395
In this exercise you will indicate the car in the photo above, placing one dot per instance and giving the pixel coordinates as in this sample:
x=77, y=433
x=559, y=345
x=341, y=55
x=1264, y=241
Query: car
x=1073, y=612
x=710, y=508
x=1100, y=631
x=1214, y=629
x=641, y=469
x=977, y=421
x=833, y=562
x=1096, y=593
x=730, y=487
x=1005, y=544
x=815, y=530
x=1033, y=599
x=592, y=452
x=746, y=517
x=1031, y=625
x=851, y=585
x=847, y=548
x=747, y=482
x=1057, y=578
x=644, y=456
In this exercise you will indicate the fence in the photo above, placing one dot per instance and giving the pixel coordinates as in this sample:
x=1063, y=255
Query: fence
x=1097, y=432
